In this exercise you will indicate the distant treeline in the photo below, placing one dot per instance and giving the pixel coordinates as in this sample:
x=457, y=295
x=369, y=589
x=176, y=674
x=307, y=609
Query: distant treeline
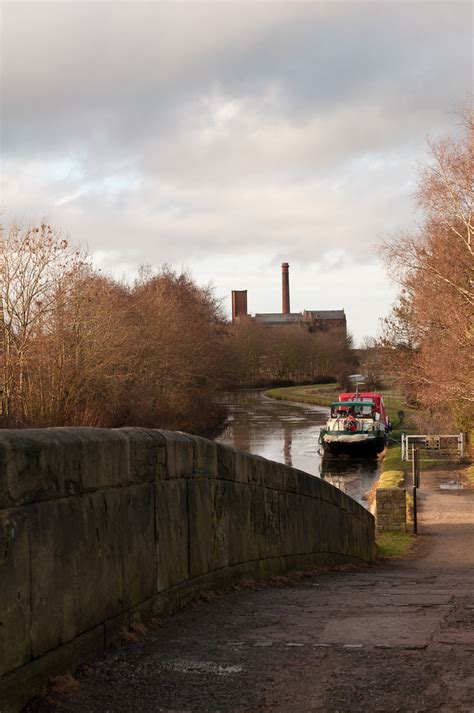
x=286, y=355
x=79, y=348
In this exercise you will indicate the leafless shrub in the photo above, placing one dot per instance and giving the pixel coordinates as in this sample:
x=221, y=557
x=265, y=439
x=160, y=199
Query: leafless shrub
x=78, y=348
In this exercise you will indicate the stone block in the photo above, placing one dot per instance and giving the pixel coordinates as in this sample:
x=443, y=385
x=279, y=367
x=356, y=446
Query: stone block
x=97, y=551
x=306, y=542
x=233, y=464
x=271, y=535
x=345, y=502
x=17, y=688
x=57, y=536
x=76, y=566
x=208, y=526
x=172, y=532
x=276, y=476
x=38, y=464
x=225, y=462
x=257, y=544
x=104, y=457
x=310, y=485
x=331, y=494
x=310, y=538
x=335, y=525
x=15, y=613
x=205, y=457
x=243, y=466
x=4, y=497
x=265, y=536
x=287, y=523
x=140, y=566
x=179, y=455
x=259, y=470
x=147, y=453
x=240, y=525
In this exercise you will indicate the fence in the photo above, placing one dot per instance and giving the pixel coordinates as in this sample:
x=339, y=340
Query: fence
x=434, y=446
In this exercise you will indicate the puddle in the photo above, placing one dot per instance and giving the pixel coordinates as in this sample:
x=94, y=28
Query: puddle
x=202, y=667
x=452, y=485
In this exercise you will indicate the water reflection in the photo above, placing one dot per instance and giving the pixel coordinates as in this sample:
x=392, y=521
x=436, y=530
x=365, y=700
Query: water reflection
x=353, y=476
x=288, y=433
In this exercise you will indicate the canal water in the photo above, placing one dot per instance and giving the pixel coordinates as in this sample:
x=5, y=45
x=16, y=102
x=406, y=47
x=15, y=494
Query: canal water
x=288, y=432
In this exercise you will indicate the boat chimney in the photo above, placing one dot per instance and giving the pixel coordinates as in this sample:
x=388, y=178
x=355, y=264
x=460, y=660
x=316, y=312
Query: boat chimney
x=285, y=288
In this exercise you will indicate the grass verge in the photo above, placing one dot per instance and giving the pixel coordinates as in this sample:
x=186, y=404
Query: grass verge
x=315, y=394
x=468, y=473
x=394, y=545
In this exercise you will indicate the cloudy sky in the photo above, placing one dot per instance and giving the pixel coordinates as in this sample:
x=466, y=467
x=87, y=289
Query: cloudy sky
x=228, y=137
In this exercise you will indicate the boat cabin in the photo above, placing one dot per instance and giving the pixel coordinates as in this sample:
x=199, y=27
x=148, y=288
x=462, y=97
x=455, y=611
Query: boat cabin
x=374, y=397
x=357, y=409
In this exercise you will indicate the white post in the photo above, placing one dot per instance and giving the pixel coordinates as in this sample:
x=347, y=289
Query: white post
x=403, y=444
x=461, y=443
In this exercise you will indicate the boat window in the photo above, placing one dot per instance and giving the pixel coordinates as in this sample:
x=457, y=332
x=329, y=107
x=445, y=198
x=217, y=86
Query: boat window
x=364, y=410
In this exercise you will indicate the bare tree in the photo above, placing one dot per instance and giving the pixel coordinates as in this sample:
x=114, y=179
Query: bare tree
x=429, y=336
x=35, y=260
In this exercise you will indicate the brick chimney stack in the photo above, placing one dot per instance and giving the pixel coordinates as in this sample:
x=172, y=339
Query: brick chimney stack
x=285, y=288
x=239, y=304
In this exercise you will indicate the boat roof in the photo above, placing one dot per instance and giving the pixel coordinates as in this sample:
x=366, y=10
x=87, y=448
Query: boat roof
x=362, y=402
x=361, y=395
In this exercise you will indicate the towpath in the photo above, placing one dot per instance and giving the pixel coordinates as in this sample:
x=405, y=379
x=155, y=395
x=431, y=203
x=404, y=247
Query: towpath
x=396, y=637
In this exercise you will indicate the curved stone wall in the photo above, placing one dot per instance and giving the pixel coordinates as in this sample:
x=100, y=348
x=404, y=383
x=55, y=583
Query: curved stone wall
x=99, y=528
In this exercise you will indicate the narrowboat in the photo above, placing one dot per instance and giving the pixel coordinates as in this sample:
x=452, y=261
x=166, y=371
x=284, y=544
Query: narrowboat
x=358, y=425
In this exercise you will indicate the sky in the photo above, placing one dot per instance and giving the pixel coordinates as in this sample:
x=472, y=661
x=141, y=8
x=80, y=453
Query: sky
x=225, y=138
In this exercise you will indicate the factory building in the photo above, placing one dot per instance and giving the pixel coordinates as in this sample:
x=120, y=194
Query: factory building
x=312, y=319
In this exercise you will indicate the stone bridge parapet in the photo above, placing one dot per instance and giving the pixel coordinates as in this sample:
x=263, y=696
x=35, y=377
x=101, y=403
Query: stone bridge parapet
x=102, y=528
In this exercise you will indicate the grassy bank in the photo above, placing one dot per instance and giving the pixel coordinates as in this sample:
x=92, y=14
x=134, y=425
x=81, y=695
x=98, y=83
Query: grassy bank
x=393, y=545
x=469, y=474
x=316, y=394
x=393, y=469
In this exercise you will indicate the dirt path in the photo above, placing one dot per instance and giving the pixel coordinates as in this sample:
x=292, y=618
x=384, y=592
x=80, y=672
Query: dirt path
x=396, y=637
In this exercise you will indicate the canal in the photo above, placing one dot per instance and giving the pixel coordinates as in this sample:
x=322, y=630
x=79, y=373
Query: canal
x=288, y=432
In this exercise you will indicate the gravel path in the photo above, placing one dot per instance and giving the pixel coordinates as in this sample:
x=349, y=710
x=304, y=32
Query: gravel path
x=396, y=637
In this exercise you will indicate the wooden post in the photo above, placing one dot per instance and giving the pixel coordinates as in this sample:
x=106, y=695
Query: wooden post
x=415, y=469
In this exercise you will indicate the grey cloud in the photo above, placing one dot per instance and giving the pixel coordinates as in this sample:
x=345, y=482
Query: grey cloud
x=198, y=129
x=123, y=72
